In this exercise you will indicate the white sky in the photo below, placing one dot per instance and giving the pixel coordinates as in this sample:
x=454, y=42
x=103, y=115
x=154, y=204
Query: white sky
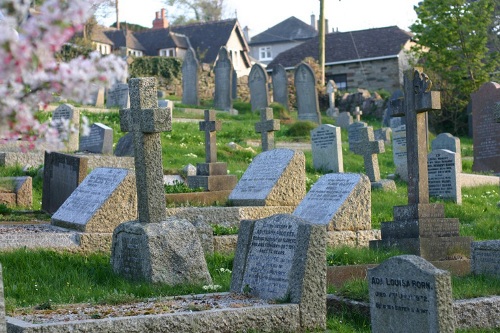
x=259, y=15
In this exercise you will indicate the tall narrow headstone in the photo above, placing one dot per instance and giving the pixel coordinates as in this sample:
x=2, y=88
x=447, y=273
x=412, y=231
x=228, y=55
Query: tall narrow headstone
x=257, y=82
x=266, y=128
x=486, y=128
x=3, y=324
x=307, y=95
x=399, y=148
x=234, y=81
x=326, y=146
x=280, y=85
x=99, y=140
x=223, y=81
x=118, y=96
x=67, y=121
x=190, y=69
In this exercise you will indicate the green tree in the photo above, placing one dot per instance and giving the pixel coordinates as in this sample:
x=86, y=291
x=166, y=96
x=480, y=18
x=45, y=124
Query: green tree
x=201, y=10
x=452, y=38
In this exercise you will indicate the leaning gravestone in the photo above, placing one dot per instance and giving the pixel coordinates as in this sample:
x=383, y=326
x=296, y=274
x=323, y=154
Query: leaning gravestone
x=274, y=178
x=257, y=82
x=190, y=85
x=444, y=175
x=105, y=198
x=118, y=96
x=485, y=258
x=326, y=145
x=62, y=174
x=344, y=120
x=99, y=140
x=307, y=95
x=486, y=128
x=282, y=257
x=3, y=324
x=280, y=85
x=408, y=294
x=67, y=114
x=223, y=81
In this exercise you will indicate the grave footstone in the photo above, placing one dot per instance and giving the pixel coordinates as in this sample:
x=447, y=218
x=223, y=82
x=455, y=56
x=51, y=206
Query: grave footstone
x=125, y=145
x=3, y=324
x=190, y=68
x=486, y=128
x=344, y=120
x=223, y=81
x=444, y=175
x=62, y=173
x=67, y=121
x=485, y=258
x=257, y=83
x=280, y=85
x=266, y=128
x=307, y=95
x=282, y=257
x=274, y=178
x=105, y=198
x=408, y=294
x=326, y=146
x=118, y=96
x=154, y=248
x=99, y=140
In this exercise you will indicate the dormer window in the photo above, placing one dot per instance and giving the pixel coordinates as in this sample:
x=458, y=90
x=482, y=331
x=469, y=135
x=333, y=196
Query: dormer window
x=167, y=52
x=265, y=53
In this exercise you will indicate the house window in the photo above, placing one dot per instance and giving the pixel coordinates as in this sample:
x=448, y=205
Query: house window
x=167, y=52
x=340, y=80
x=265, y=53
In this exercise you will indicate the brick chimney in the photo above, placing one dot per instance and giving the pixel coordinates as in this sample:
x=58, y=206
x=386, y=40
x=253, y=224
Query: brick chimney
x=160, y=21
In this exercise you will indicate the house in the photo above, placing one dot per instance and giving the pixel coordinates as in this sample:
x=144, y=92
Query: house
x=372, y=59
x=283, y=36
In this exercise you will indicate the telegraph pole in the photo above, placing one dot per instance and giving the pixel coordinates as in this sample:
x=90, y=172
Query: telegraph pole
x=321, y=33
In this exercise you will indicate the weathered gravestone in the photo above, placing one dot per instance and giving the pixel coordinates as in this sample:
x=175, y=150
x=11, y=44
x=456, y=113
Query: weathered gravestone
x=486, y=127
x=125, y=145
x=331, y=88
x=399, y=155
x=410, y=295
x=153, y=248
x=280, y=85
x=307, y=95
x=234, y=86
x=190, y=86
x=451, y=143
x=3, y=324
x=67, y=122
x=223, y=81
x=444, y=175
x=282, y=257
x=353, y=132
x=97, y=97
x=420, y=227
x=257, y=83
x=386, y=121
x=105, y=198
x=485, y=258
x=211, y=175
x=274, y=178
x=326, y=145
x=266, y=128
x=62, y=174
x=118, y=96
x=16, y=191
x=344, y=120
x=99, y=140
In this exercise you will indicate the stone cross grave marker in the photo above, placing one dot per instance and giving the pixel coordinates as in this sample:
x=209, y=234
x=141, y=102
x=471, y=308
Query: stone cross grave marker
x=357, y=113
x=147, y=121
x=118, y=96
x=485, y=258
x=99, y=140
x=66, y=114
x=190, y=78
x=409, y=294
x=368, y=147
x=280, y=85
x=326, y=146
x=266, y=128
x=307, y=95
x=259, y=93
x=210, y=126
x=223, y=81
x=3, y=324
x=280, y=257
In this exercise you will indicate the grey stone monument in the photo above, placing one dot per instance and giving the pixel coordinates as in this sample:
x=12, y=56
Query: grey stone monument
x=344, y=120
x=125, y=145
x=234, y=86
x=386, y=121
x=331, y=88
x=257, y=83
x=282, y=257
x=97, y=97
x=153, y=248
x=444, y=175
x=307, y=95
x=383, y=134
x=408, y=294
x=399, y=155
x=266, y=128
x=280, y=85
x=485, y=258
x=326, y=146
x=99, y=140
x=67, y=114
x=118, y=96
x=223, y=81
x=190, y=69
x=448, y=142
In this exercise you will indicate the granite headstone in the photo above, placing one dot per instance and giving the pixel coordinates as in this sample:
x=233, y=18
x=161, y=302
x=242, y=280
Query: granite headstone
x=190, y=68
x=280, y=85
x=99, y=140
x=485, y=258
x=444, y=175
x=326, y=146
x=257, y=82
x=118, y=96
x=307, y=95
x=223, y=81
x=344, y=120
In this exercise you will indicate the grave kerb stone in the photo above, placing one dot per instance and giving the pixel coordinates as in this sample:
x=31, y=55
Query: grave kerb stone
x=266, y=128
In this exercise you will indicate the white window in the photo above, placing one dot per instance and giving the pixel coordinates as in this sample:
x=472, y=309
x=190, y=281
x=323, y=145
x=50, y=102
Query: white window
x=265, y=53
x=167, y=52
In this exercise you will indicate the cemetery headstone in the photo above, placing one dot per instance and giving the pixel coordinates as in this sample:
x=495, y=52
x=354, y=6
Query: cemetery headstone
x=274, y=178
x=105, y=198
x=280, y=85
x=223, y=81
x=234, y=81
x=3, y=324
x=357, y=113
x=98, y=97
x=190, y=69
x=409, y=294
x=420, y=227
x=266, y=128
x=118, y=96
x=353, y=132
x=307, y=95
x=344, y=120
x=386, y=121
x=283, y=257
x=257, y=83
x=399, y=148
x=485, y=258
x=62, y=173
x=99, y=140
x=446, y=141
x=444, y=175
x=211, y=175
x=339, y=201
x=331, y=88
x=486, y=128
x=326, y=146
x=125, y=145
x=383, y=134
x=67, y=121
x=154, y=248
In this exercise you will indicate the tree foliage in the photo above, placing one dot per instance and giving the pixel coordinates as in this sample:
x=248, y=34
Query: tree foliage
x=452, y=38
x=197, y=10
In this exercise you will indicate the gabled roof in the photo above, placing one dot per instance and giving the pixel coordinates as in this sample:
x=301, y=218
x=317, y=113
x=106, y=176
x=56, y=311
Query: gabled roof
x=157, y=39
x=117, y=38
x=291, y=29
x=344, y=47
